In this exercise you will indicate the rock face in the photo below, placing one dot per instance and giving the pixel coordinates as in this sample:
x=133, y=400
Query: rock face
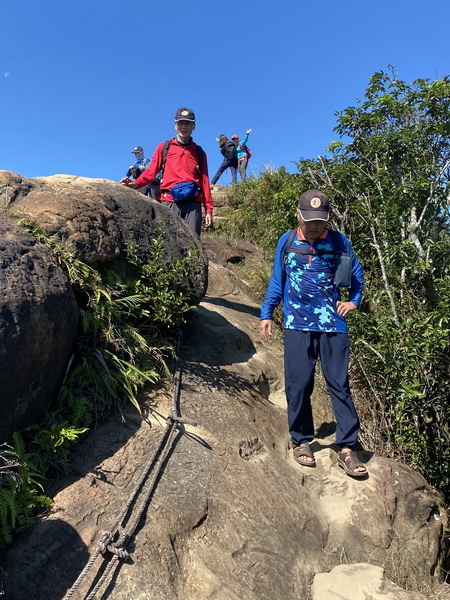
x=233, y=517
x=95, y=220
x=38, y=322
x=359, y=582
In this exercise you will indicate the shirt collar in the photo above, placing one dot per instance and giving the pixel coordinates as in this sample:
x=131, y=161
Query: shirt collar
x=302, y=238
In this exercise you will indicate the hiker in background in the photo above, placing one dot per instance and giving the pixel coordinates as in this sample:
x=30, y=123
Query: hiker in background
x=184, y=174
x=308, y=270
x=138, y=167
x=140, y=164
x=243, y=153
x=229, y=152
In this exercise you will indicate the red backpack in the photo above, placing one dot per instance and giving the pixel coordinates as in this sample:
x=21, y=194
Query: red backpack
x=248, y=152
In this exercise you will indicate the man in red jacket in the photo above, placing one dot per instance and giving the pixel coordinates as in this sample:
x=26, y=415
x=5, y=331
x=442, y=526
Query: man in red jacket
x=184, y=182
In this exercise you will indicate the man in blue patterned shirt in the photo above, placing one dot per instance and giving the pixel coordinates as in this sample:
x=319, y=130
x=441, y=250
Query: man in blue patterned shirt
x=304, y=277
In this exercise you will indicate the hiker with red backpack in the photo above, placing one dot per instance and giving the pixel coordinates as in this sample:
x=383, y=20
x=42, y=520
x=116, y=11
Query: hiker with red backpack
x=243, y=153
x=229, y=152
x=184, y=174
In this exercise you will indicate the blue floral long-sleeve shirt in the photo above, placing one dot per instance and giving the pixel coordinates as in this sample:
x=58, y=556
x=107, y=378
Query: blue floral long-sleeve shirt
x=305, y=282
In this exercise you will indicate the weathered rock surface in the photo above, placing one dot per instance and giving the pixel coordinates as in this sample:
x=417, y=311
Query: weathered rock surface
x=233, y=517
x=38, y=323
x=221, y=206
x=359, y=582
x=95, y=220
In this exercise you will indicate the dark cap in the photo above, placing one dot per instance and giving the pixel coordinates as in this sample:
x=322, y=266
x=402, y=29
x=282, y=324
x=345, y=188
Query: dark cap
x=184, y=114
x=314, y=206
x=137, y=149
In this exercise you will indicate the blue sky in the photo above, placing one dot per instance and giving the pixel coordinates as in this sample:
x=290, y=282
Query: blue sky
x=84, y=81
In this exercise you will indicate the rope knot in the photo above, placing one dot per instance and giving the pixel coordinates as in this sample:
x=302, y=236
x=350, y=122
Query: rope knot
x=175, y=418
x=120, y=552
x=104, y=541
x=106, y=544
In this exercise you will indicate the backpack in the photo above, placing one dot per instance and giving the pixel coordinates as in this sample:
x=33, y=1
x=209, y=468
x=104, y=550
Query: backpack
x=134, y=172
x=248, y=152
x=343, y=261
x=229, y=150
x=166, y=147
x=157, y=181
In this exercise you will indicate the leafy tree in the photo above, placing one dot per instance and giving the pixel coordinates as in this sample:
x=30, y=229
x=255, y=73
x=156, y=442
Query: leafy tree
x=389, y=180
x=388, y=177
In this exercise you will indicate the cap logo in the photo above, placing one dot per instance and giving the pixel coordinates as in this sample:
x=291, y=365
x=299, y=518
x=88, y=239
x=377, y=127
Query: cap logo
x=184, y=113
x=315, y=202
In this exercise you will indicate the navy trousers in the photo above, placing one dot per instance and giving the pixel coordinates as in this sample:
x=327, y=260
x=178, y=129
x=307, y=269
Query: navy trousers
x=301, y=351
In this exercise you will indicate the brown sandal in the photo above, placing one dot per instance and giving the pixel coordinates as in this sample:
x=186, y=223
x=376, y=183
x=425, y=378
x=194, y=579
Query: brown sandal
x=304, y=450
x=348, y=460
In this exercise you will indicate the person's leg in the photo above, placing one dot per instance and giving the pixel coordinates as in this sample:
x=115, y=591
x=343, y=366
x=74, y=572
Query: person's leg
x=334, y=357
x=191, y=212
x=155, y=192
x=243, y=168
x=334, y=351
x=233, y=171
x=300, y=356
x=223, y=167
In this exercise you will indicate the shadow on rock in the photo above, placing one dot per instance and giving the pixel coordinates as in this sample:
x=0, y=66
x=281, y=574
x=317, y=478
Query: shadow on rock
x=211, y=339
x=35, y=572
x=242, y=308
x=208, y=378
x=99, y=444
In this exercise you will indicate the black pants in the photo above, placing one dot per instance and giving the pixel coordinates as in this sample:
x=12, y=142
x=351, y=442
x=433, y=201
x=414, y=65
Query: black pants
x=226, y=163
x=191, y=212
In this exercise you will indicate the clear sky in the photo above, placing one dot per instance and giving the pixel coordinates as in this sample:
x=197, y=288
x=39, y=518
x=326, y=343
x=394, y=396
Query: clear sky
x=84, y=81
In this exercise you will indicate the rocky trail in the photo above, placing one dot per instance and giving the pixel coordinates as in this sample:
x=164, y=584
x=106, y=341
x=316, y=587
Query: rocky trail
x=233, y=517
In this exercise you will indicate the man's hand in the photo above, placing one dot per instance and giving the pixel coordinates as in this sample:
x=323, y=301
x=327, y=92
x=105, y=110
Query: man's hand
x=208, y=221
x=266, y=329
x=128, y=182
x=343, y=308
x=248, y=131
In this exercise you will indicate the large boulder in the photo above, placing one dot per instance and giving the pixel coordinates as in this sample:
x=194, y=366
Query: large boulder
x=232, y=517
x=97, y=218
x=38, y=323
x=94, y=220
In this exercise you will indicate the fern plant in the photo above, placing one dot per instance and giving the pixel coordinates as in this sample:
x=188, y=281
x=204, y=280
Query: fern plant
x=123, y=342
x=21, y=484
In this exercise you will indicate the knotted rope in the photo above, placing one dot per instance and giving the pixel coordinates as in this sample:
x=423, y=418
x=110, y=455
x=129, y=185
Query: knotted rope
x=118, y=548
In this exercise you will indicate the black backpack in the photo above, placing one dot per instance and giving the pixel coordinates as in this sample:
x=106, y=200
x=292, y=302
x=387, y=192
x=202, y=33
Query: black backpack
x=166, y=147
x=229, y=150
x=343, y=261
x=156, y=183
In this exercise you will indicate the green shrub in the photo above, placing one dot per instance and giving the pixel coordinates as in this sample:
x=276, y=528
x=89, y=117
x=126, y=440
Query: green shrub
x=263, y=207
x=123, y=342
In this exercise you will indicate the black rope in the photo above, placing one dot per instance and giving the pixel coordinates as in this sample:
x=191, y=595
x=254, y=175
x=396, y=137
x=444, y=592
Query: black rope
x=118, y=548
